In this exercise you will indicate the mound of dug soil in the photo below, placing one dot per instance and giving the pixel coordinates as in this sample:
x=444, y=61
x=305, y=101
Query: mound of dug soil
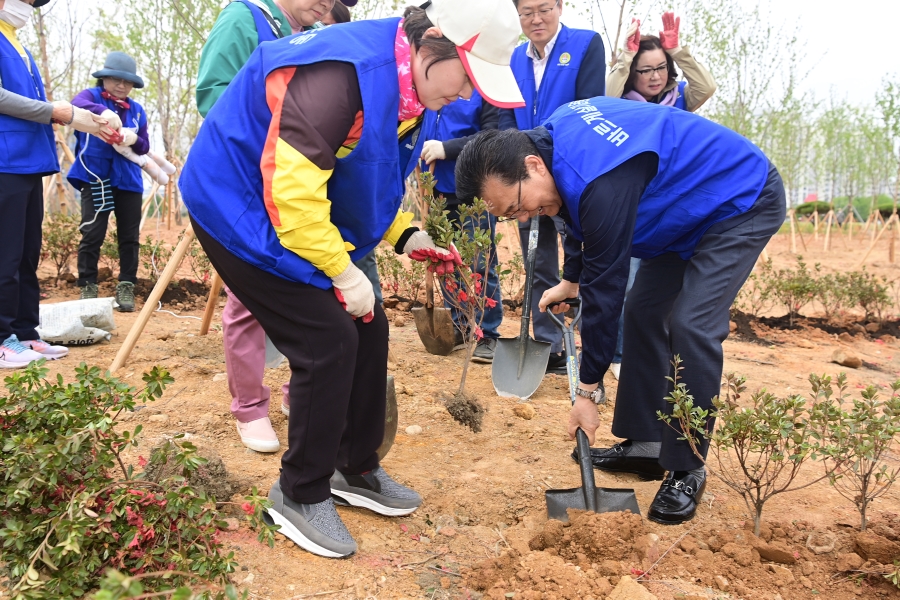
x=580, y=559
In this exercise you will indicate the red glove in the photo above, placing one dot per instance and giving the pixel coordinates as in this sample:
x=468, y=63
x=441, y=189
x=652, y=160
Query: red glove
x=669, y=36
x=421, y=247
x=633, y=36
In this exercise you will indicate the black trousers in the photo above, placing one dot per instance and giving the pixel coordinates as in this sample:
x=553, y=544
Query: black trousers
x=21, y=215
x=338, y=373
x=127, y=207
x=682, y=307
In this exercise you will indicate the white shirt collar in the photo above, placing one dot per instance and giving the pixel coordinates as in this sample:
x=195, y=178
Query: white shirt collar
x=529, y=50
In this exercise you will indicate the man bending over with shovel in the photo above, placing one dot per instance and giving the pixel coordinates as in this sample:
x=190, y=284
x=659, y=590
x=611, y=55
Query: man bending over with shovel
x=298, y=171
x=696, y=202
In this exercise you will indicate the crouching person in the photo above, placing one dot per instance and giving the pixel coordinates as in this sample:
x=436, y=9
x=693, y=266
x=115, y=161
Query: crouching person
x=696, y=202
x=289, y=181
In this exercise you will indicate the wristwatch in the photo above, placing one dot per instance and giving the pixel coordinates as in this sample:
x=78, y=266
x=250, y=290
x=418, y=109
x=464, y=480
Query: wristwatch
x=597, y=396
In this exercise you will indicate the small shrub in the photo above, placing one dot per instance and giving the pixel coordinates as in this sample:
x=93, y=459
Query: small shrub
x=154, y=256
x=755, y=297
x=398, y=279
x=60, y=240
x=860, y=441
x=760, y=450
x=199, y=262
x=109, y=251
x=73, y=512
x=512, y=276
x=870, y=292
x=794, y=289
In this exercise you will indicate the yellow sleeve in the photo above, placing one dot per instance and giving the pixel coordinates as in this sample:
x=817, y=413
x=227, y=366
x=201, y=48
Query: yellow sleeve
x=400, y=224
x=302, y=211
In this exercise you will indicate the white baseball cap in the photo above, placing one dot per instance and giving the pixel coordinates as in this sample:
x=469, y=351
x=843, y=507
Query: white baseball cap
x=485, y=33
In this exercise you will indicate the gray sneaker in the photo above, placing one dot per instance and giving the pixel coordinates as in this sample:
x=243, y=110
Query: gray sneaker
x=125, y=296
x=89, y=291
x=484, y=351
x=316, y=528
x=376, y=491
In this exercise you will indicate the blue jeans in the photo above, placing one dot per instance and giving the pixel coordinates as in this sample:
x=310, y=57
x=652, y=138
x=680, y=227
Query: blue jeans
x=490, y=320
x=369, y=267
x=635, y=263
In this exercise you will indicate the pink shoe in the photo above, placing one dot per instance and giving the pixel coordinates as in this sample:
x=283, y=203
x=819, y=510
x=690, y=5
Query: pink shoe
x=258, y=435
x=13, y=355
x=45, y=349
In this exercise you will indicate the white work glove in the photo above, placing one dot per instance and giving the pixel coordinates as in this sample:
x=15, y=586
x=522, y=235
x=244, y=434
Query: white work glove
x=421, y=247
x=150, y=167
x=354, y=291
x=129, y=136
x=112, y=119
x=433, y=150
x=86, y=121
x=167, y=167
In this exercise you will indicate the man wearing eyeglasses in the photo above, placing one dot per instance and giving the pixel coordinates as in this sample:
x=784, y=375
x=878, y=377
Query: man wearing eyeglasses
x=695, y=201
x=556, y=66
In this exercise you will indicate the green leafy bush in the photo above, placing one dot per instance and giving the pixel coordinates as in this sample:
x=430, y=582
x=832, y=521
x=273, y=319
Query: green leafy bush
x=794, y=289
x=60, y=240
x=512, y=277
x=154, y=255
x=404, y=282
x=72, y=512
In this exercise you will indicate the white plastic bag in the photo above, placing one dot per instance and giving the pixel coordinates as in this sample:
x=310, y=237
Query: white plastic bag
x=78, y=322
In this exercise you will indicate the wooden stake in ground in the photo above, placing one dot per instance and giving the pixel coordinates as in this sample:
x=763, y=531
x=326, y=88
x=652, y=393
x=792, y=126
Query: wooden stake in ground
x=799, y=233
x=893, y=218
x=849, y=222
x=829, y=220
x=146, y=203
x=215, y=288
x=151, y=304
x=816, y=225
x=793, y=231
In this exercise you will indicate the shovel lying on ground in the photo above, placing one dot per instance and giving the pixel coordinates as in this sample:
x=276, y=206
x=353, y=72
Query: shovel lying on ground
x=519, y=363
x=588, y=496
x=434, y=325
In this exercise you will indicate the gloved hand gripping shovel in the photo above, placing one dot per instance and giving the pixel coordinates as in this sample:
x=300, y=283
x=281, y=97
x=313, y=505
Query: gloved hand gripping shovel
x=588, y=496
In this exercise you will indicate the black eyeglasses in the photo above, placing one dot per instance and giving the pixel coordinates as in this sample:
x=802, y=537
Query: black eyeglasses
x=543, y=12
x=648, y=72
x=514, y=216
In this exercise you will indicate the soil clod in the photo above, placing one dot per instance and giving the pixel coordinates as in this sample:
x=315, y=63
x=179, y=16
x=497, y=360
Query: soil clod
x=465, y=409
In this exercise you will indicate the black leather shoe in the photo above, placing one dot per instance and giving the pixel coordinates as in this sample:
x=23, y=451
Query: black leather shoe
x=676, y=501
x=616, y=460
x=556, y=364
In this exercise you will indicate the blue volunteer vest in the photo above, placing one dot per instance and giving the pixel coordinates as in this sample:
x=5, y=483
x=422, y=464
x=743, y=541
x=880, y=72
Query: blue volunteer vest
x=264, y=31
x=679, y=101
x=28, y=147
x=558, y=82
x=101, y=158
x=222, y=183
x=707, y=173
x=458, y=119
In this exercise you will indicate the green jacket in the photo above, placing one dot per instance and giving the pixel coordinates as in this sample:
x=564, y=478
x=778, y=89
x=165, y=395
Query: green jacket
x=230, y=43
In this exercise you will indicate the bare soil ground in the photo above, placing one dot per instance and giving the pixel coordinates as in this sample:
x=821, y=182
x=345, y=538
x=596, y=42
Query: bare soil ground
x=482, y=530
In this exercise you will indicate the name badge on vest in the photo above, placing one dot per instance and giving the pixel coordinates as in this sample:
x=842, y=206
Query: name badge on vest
x=564, y=59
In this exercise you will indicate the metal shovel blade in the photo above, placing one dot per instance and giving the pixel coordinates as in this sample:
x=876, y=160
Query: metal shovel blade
x=434, y=325
x=391, y=415
x=606, y=500
x=508, y=378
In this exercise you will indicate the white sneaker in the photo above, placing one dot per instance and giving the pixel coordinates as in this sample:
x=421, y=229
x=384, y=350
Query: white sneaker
x=46, y=350
x=258, y=435
x=13, y=355
x=614, y=369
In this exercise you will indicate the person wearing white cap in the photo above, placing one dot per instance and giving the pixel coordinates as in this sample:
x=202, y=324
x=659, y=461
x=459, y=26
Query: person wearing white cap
x=299, y=170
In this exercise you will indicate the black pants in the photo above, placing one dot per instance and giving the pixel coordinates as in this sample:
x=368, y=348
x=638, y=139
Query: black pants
x=127, y=206
x=338, y=372
x=682, y=307
x=21, y=214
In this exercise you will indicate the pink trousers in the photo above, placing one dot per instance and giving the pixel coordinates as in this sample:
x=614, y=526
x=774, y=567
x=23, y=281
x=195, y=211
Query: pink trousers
x=245, y=361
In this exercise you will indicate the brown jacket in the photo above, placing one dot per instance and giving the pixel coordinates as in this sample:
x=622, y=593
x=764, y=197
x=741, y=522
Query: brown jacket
x=700, y=83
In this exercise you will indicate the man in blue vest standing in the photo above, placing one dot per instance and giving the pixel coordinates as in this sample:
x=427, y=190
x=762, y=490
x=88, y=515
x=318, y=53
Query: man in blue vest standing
x=447, y=131
x=556, y=66
x=696, y=202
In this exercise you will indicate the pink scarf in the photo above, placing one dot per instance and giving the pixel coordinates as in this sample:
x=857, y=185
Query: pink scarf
x=410, y=107
x=667, y=100
x=296, y=26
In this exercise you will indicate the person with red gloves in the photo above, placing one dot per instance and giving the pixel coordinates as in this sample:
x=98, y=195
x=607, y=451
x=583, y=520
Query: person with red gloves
x=645, y=70
x=310, y=182
x=107, y=180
